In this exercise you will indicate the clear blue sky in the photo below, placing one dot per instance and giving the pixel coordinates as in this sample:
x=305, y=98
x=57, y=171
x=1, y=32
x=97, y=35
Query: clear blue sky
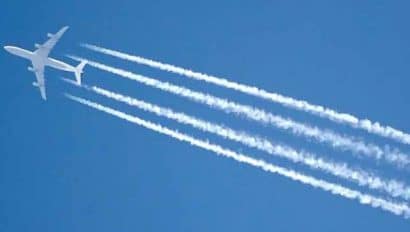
x=65, y=167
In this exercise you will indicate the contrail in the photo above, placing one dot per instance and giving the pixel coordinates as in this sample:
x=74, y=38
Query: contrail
x=393, y=187
x=365, y=199
x=259, y=115
x=365, y=124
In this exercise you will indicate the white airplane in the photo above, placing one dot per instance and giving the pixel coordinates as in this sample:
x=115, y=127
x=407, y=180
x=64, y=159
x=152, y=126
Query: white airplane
x=39, y=59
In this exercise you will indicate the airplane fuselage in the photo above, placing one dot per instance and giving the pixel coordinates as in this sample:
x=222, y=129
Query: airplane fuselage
x=38, y=60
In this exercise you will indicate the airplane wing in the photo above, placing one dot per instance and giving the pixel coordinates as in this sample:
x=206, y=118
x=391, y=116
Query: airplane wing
x=41, y=83
x=44, y=49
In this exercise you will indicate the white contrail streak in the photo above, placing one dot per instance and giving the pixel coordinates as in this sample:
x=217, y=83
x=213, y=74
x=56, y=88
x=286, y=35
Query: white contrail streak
x=365, y=124
x=326, y=136
x=393, y=207
x=393, y=187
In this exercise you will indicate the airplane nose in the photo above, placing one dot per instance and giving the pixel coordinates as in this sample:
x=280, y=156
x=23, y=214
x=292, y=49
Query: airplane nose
x=9, y=49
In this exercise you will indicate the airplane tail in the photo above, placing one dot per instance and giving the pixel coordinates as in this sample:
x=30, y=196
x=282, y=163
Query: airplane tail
x=79, y=71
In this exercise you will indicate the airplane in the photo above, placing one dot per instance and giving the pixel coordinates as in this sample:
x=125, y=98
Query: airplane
x=39, y=59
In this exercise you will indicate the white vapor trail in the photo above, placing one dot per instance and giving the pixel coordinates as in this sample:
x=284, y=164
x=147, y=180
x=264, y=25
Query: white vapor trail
x=393, y=187
x=259, y=115
x=365, y=124
x=365, y=199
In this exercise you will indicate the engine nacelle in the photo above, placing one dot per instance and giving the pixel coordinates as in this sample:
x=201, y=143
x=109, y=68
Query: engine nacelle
x=31, y=69
x=49, y=35
x=37, y=46
x=35, y=84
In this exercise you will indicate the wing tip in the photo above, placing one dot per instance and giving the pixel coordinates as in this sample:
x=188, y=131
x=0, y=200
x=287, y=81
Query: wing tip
x=63, y=29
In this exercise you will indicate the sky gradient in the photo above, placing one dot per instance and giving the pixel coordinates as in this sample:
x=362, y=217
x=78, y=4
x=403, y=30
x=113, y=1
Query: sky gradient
x=66, y=167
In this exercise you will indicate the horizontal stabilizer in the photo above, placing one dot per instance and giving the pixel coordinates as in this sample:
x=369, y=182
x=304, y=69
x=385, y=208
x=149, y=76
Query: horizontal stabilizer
x=79, y=71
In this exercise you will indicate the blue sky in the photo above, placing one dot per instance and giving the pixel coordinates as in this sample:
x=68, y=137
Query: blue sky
x=65, y=167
